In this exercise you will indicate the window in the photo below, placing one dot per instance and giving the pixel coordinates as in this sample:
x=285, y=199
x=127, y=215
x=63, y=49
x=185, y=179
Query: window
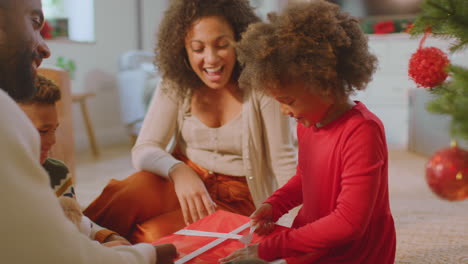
x=69, y=19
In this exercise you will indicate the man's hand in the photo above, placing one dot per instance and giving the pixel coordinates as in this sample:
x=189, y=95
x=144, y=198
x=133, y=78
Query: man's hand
x=194, y=199
x=165, y=253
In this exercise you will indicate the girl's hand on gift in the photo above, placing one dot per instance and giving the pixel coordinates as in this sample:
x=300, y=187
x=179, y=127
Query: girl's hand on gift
x=249, y=252
x=165, y=253
x=262, y=219
x=194, y=199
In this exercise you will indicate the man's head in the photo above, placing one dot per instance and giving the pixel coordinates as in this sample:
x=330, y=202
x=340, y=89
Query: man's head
x=42, y=112
x=22, y=47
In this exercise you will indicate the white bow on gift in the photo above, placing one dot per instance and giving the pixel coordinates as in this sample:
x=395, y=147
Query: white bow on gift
x=246, y=240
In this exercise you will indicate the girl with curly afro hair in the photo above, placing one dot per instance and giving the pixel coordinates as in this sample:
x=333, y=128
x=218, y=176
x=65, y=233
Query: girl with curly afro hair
x=231, y=145
x=311, y=58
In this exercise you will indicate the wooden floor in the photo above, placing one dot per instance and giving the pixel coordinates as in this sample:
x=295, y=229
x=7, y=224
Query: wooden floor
x=429, y=230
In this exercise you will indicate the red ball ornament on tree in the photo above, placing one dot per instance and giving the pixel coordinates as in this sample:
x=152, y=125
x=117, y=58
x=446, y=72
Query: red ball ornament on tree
x=427, y=67
x=46, y=31
x=447, y=173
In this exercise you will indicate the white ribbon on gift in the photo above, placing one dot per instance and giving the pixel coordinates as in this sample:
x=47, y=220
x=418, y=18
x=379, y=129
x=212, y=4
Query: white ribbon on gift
x=221, y=238
x=188, y=232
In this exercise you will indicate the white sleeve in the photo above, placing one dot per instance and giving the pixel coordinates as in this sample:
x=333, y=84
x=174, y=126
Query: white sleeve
x=159, y=127
x=88, y=228
x=33, y=226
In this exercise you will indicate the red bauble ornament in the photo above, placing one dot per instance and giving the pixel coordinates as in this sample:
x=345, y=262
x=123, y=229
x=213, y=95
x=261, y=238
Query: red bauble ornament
x=427, y=67
x=447, y=173
x=46, y=31
x=384, y=27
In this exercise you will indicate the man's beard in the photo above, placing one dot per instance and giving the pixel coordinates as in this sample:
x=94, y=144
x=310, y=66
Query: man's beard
x=16, y=75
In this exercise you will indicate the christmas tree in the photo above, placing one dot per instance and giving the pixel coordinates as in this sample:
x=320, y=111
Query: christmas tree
x=446, y=19
x=429, y=67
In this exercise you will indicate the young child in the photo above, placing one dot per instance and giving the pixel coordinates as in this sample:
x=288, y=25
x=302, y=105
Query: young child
x=41, y=110
x=311, y=58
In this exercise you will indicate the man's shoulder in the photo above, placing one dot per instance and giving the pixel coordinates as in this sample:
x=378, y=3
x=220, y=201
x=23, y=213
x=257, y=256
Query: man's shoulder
x=6, y=104
x=19, y=142
x=15, y=123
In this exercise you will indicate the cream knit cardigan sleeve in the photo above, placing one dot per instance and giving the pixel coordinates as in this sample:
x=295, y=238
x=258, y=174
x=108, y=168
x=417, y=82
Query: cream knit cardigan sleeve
x=268, y=147
x=159, y=128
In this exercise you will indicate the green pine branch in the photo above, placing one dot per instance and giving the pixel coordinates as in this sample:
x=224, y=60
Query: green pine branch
x=446, y=18
x=452, y=99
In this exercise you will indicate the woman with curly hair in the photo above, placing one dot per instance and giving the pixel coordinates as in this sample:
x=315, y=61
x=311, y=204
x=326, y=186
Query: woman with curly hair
x=231, y=146
x=311, y=58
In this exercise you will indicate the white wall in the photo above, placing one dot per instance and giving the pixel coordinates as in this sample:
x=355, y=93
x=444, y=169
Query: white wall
x=97, y=64
x=116, y=33
x=152, y=14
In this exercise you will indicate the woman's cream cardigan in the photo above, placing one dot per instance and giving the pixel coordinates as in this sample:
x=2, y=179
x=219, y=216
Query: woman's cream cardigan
x=269, y=155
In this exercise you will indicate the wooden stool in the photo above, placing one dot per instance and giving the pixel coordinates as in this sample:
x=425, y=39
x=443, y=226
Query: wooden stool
x=81, y=98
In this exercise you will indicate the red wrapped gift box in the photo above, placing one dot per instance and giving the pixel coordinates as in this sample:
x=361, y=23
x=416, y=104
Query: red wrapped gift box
x=196, y=247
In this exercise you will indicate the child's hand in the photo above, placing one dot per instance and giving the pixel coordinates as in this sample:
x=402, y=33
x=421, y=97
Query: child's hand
x=165, y=253
x=262, y=219
x=250, y=252
x=116, y=240
x=116, y=243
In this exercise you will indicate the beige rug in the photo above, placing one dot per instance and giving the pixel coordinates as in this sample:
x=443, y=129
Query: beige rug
x=429, y=230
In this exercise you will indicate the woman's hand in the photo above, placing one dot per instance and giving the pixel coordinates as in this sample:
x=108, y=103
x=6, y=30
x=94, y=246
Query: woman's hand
x=250, y=252
x=165, y=253
x=194, y=199
x=262, y=219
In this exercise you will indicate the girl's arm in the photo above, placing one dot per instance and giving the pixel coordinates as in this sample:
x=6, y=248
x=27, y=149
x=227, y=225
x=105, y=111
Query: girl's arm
x=364, y=167
x=159, y=127
x=278, y=139
x=286, y=197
